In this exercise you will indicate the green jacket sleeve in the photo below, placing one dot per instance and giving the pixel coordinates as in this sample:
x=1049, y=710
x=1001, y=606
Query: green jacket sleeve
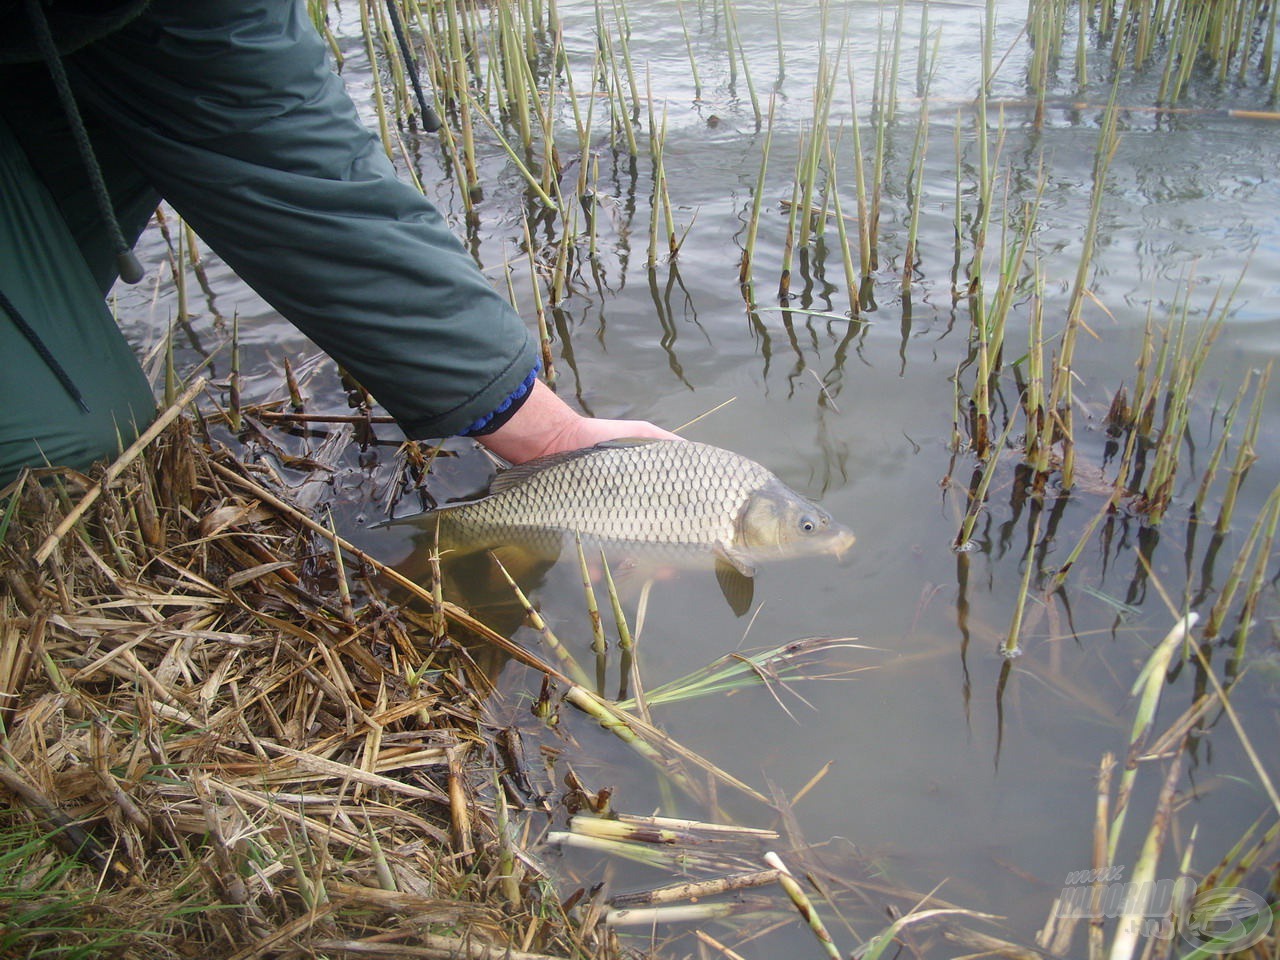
x=233, y=113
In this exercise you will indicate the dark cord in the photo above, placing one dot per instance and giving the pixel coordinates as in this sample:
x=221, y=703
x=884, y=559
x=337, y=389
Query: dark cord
x=430, y=121
x=38, y=345
x=127, y=264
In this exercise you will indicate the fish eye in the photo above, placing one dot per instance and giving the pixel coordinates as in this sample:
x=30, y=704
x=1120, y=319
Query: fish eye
x=808, y=525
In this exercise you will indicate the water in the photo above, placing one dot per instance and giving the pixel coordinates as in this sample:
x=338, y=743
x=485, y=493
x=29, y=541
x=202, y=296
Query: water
x=948, y=762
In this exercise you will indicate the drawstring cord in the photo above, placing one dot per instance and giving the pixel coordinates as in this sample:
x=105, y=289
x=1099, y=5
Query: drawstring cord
x=430, y=120
x=38, y=345
x=127, y=264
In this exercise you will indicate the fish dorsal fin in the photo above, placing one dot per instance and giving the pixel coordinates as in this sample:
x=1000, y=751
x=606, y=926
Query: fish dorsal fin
x=514, y=476
x=621, y=443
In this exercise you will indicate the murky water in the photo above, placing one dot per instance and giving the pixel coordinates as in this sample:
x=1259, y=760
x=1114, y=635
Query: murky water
x=948, y=763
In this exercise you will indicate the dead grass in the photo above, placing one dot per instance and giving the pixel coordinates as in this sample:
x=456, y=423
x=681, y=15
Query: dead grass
x=212, y=751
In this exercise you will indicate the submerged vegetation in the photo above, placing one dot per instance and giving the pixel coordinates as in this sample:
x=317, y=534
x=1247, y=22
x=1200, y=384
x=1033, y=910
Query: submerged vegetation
x=227, y=730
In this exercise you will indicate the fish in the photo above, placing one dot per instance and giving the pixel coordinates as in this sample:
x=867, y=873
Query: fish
x=673, y=501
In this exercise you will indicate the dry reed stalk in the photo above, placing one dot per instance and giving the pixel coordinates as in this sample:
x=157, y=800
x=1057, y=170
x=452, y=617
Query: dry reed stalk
x=236, y=707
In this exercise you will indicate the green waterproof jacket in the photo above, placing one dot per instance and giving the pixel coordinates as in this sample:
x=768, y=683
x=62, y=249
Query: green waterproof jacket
x=230, y=110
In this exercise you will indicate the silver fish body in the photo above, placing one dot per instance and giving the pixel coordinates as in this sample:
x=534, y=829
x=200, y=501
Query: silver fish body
x=675, y=499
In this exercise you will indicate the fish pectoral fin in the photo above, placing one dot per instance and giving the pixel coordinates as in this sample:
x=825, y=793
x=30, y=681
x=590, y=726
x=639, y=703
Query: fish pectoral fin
x=735, y=558
x=738, y=588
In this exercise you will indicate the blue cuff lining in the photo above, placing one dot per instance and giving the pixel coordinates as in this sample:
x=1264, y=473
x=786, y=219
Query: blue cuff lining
x=493, y=420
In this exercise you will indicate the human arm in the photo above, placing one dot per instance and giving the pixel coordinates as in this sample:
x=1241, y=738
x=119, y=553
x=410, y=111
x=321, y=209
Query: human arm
x=545, y=424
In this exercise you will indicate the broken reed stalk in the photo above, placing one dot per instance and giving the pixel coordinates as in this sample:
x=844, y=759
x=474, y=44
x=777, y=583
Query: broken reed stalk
x=567, y=660
x=598, y=646
x=632, y=730
x=803, y=904
x=118, y=467
x=1148, y=688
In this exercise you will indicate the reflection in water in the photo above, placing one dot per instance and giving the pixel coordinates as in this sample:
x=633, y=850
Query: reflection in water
x=666, y=315
x=1183, y=188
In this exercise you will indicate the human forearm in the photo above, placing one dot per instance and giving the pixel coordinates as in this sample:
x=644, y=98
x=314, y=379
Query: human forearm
x=545, y=424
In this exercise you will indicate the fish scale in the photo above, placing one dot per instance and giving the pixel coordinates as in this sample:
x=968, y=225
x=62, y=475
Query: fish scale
x=663, y=492
x=673, y=501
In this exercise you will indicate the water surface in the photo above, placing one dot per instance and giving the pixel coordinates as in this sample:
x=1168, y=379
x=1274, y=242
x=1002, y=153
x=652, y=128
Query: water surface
x=948, y=762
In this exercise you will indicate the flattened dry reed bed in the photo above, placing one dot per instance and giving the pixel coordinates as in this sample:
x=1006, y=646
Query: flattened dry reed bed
x=210, y=750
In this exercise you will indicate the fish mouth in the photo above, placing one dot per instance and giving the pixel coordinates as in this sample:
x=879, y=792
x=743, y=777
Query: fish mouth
x=844, y=546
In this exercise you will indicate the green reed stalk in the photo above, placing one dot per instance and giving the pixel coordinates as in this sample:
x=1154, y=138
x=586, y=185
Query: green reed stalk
x=551, y=167
x=514, y=89
x=233, y=381
x=404, y=103
x=1269, y=44
x=1038, y=443
x=534, y=183
x=915, y=186
x=980, y=494
x=860, y=180
x=757, y=203
x=381, y=107
x=1108, y=141
x=1082, y=47
x=1219, y=448
x=1108, y=509
x=882, y=118
x=544, y=333
x=617, y=97
x=688, y=46
x=1147, y=688
x=1246, y=454
x=1258, y=578
x=560, y=274
x=737, y=49
x=567, y=660
x=788, y=246
x=593, y=210
x=598, y=646
x=812, y=158
x=842, y=230
x=889, y=104
x=957, y=223
x=1147, y=384
x=782, y=52
x=655, y=158
x=1226, y=596
x=583, y=126
x=1011, y=647
x=1184, y=372
x=626, y=643
x=624, y=41
x=470, y=179
x=924, y=64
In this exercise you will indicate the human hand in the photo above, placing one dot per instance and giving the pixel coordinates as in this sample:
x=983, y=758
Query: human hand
x=545, y=424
